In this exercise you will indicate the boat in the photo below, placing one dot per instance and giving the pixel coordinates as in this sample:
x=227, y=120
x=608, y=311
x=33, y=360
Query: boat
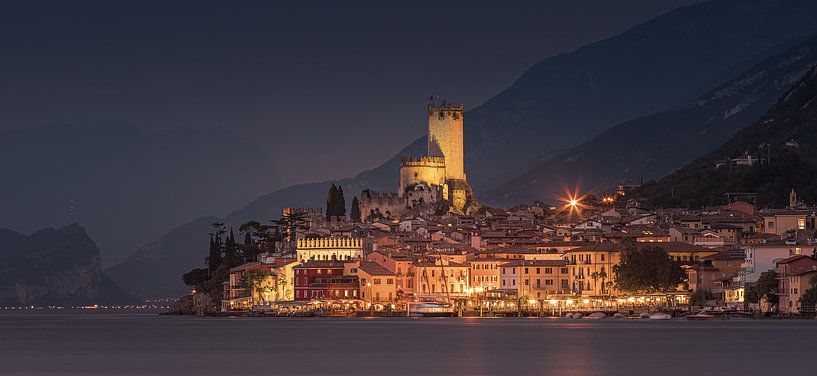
x=700, y=316
x=660, y=316
x=619, y=315
x=644, y=315
x=568, y=315
x=577, y=315
x=430, y=309
x=597, y=316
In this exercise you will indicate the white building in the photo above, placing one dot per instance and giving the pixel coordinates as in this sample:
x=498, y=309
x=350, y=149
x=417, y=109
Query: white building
x=329, y=249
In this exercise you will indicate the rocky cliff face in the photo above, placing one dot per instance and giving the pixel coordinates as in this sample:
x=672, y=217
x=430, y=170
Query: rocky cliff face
x=54, y=267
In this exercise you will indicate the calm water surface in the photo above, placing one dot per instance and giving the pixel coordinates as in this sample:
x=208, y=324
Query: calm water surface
x=134, y=344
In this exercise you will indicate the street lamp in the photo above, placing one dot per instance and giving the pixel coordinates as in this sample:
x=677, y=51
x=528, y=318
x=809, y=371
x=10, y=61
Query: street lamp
x=369, y=285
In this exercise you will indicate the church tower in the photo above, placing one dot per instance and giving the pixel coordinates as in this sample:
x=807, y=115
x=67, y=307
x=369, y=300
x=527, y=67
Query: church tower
x=445, y=137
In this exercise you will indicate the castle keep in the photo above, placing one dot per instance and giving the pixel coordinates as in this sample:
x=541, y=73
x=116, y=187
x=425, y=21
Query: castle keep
x=442, y=168
x=437, y=177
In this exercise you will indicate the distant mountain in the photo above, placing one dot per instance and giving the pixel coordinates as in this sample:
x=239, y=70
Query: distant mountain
x=53, y=267
x=783, y=142
x=652, y=146
x=555, y=105
x=128, y=186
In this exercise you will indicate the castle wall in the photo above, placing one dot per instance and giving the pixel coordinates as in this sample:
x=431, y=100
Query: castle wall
x=388, y=205
x=445, y=137
x=424, y=170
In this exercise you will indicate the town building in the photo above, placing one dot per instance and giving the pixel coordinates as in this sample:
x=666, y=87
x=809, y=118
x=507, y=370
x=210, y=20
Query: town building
x=327, y=249
x=326, y=280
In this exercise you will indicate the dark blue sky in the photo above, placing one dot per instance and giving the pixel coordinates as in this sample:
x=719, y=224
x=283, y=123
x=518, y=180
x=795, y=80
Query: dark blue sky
x=303, y=77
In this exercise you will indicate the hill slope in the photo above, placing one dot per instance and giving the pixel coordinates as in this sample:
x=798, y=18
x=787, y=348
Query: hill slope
x=652, y=146
x=786, y=136
x=51, y=267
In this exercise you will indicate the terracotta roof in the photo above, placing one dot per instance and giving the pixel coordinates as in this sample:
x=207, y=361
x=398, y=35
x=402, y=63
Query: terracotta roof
x=373, y=268
x=555, y=263
x=320, y=264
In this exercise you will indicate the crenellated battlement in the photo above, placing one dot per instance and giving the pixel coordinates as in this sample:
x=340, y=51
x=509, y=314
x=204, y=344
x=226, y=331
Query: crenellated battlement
x=444, y=108
x=324, y=243
x=375, y=195
x=424, y=161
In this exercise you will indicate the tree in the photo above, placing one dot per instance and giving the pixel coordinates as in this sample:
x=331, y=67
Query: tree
x=330, y=202
x=252, y=281
x=808, y=301
x=595, y=277
x=354, y=213
x=286, y=228
x=214, y=258
x=649, y=269
x=339, y=203
x=233, y=253
x=196, y=278
x=256, y=239
x=764, y=288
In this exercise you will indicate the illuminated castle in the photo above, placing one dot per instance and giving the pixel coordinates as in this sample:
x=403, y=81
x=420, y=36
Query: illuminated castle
x=442, y=169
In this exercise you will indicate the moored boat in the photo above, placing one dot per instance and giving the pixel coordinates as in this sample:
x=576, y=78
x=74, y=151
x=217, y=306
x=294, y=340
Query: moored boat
x=431, y=309
x=660, y=316
x=597, y=316
x=700, y=316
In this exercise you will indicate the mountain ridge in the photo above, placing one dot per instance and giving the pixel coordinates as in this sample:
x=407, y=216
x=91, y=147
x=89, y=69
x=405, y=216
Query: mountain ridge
x=666, y=140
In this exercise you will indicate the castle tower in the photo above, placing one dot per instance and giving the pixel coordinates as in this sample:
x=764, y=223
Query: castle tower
x=445, y=137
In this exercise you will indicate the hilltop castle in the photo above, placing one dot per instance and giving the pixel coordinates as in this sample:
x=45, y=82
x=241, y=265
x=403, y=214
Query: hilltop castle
x=442, y=168
x=436, y=177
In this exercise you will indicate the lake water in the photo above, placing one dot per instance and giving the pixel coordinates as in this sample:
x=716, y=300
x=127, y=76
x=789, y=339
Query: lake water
x=147, y=344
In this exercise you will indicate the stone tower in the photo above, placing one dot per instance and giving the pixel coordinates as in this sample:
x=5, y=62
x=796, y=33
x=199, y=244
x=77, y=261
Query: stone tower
x=445, y=137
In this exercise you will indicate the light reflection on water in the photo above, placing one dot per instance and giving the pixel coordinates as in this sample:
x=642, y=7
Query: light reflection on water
x=129, y=344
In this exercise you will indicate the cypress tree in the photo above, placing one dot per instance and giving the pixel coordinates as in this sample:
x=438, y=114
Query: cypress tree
x=330, y=202
x=354, y=213
x=214, y=258
x=340, y=203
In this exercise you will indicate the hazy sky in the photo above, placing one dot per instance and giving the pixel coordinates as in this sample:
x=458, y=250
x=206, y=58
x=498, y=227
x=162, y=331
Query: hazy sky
x=330, y=88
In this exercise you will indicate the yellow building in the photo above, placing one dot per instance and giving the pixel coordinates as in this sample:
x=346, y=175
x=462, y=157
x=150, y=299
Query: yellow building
x=377, y=283
x=485, y=272
x=536, y=279
x=798, y=283
x=441, y=279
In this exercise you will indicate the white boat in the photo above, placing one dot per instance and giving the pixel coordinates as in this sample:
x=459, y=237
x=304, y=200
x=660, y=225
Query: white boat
x=568, y=315
x=660, y=316
x=431, y=309
x=644, y=315
x=597, y=316
x=700, y=316
x=619, y=315
x=577, y=315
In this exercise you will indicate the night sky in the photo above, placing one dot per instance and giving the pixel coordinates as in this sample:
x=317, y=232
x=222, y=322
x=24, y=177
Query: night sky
x=311, y=80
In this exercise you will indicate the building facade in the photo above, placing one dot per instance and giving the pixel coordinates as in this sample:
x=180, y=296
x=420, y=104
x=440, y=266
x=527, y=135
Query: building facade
x=328, y=249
